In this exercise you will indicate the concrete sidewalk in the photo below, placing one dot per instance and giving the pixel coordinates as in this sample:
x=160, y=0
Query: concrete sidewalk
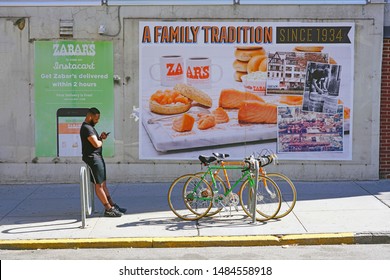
x=36, y=216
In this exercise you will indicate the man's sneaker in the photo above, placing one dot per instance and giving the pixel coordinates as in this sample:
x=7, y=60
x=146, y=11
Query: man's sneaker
x=112, y=213
x=122, y=210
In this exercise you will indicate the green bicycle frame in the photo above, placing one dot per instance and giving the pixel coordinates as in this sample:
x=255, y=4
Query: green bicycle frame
x=212, y=168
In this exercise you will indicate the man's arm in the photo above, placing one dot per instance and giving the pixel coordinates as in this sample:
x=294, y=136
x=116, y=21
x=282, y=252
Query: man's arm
x=97, y=143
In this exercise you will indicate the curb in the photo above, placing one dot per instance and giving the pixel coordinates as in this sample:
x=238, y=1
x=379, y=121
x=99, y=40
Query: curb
x=196, y=241
x=199, y=241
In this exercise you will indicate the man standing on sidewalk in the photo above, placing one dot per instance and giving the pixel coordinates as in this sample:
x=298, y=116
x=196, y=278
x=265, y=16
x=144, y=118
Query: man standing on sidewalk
x=92, y=147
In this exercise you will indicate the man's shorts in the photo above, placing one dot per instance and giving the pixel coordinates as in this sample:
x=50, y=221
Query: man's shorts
x=97, y=168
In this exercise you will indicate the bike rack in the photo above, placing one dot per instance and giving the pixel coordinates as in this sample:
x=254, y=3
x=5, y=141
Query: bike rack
x=254, y=199
x=87, y=196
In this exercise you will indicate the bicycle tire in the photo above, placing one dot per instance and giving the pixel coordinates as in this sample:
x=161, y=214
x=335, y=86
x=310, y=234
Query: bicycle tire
x=268, y=199
x=190, y=205
x=220, y=187
x=288, y=192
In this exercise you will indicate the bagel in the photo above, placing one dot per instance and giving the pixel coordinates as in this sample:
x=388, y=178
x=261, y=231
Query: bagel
x=240, y=66
x=245, y=54
x=256, y=64
x=249, y=47
x=263, y=66
x=169, y=102
x=238, y=75
x=308, y=48
x=194, y=94
x=168, y=109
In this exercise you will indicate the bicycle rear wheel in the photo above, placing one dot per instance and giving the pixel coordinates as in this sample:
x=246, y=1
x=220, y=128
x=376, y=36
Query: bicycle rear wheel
x=190, y=197
x=288, y=192
x=268, y=198
x=219, y=190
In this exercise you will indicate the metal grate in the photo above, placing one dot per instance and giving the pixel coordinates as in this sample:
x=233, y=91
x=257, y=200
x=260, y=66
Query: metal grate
x=66, y=27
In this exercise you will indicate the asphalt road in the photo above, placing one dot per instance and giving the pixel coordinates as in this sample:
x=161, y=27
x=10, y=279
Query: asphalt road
x=324, y=252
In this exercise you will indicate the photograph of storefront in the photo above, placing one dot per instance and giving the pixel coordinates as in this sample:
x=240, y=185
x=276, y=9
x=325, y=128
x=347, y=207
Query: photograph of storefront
x=300, y=131
x=287, y=71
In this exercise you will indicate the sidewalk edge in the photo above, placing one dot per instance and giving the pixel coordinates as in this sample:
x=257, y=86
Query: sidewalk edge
x=198, y=241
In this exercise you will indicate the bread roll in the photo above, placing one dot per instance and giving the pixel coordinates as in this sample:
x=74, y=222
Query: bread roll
x=240, y=66
x=246, y=53
x=257, y=63
x=238, y=75
x=308, y=48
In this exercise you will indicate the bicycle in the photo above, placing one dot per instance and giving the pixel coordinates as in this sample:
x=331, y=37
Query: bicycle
x=191, y=197
x=265, y=157
x=286, y=186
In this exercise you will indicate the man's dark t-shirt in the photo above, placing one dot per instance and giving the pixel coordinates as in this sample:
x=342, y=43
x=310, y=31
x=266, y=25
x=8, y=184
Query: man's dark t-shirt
x=88, y=149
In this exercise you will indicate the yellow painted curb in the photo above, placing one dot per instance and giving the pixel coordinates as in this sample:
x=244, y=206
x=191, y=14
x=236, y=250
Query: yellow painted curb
x=77, y=243
x=318, y=239
x=216, y=241
x=177, y=242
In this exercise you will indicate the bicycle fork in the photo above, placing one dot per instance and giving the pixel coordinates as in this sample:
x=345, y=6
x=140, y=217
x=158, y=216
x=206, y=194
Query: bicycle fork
x=264, y=173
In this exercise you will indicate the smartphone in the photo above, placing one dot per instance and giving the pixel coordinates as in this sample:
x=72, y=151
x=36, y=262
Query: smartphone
x=69, y=121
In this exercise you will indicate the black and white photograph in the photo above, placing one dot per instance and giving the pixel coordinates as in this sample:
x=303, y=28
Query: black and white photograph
x=322, y=88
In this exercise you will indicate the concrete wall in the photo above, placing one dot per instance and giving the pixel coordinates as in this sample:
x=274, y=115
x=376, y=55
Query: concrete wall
x=17, y=156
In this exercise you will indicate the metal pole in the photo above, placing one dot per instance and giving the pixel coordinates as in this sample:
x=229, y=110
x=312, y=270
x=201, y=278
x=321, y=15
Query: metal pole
x=83, y=175
x=254, y=199
x=90, y=192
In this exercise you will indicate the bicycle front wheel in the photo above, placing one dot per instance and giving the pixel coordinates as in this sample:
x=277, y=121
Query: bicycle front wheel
x=288, y=192
x=267, y=200
x=219, y=189
x=190, y=197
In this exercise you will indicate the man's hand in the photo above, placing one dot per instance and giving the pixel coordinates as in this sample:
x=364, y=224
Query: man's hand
x=104, y=135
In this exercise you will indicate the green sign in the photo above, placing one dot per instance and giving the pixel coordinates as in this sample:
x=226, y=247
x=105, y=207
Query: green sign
x=70, y=77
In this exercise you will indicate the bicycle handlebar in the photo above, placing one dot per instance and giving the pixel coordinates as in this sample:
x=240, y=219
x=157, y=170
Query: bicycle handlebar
x=265, y=160
x=248, y=162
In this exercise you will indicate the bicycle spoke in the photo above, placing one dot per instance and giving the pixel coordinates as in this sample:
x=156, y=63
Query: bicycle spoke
x=219, y=190
x=288, y=192
x=268, y=199
x=189, y=197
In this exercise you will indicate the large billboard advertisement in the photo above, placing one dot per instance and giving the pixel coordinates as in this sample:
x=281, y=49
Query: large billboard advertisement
x=70, y=77
x=241, y=87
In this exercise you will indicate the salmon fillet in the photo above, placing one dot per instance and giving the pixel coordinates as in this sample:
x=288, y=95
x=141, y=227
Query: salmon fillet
x=232, y=98
x=257, y=112
x=291, y=100
x=220, y=115
x=206, y=121
x=183, y=123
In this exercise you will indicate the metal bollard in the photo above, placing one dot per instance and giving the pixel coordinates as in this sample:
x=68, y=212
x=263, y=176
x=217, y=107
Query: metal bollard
x=254, y=201
x=86, y=195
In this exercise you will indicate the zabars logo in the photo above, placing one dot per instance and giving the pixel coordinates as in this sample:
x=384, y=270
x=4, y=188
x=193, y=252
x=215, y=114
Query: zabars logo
x=74, y=49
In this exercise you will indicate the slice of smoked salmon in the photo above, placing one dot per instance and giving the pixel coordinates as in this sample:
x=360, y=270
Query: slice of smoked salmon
x=169, y=102
x=183, y=123
x=257, y=112
x=232, y=98
x=206, y=121
x=291, y=100
x=220, y=115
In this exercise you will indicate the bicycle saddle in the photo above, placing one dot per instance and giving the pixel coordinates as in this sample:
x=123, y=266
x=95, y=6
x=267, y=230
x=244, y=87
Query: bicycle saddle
x=221, y=156
x=207, y=160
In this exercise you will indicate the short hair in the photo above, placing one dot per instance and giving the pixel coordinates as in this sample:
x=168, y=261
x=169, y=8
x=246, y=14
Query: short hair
x=93, y=111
